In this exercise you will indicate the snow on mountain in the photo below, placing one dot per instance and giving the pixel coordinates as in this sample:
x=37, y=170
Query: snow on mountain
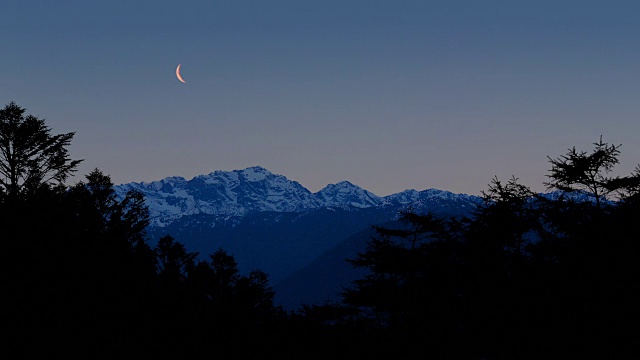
x=231, y=193
x=577, y=196
x=432, y=200
x=405, y=197
x=345, y=193
x=254, y=189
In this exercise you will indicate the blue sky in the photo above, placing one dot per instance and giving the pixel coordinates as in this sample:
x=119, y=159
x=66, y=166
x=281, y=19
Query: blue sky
x=389, y=95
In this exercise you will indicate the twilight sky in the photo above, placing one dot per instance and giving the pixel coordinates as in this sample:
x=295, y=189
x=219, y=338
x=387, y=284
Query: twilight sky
x=390, y=95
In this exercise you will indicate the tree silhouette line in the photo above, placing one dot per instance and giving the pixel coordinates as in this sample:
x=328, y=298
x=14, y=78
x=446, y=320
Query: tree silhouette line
x=526, y=276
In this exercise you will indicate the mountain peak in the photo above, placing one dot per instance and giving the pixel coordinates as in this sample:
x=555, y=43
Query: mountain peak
x=344, y=193
x=256, y=169
x=228, y=193
x=341, y=185
x=404, y=197
x=345, y=183
x=255, y=173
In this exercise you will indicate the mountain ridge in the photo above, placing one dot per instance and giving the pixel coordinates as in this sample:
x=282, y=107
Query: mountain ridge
x=239, y=192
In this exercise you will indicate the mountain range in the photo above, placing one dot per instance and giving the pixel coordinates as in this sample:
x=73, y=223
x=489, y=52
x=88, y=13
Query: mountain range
x=268, y=222
x=240, y=192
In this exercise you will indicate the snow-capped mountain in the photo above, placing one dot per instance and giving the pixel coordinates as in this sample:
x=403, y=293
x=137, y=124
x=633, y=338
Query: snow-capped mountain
x=345, y=193
x=230, y=193
x=239, y=192
x=432, y=199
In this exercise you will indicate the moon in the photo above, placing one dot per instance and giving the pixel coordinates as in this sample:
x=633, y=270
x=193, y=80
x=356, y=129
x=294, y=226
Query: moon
x=178, y=74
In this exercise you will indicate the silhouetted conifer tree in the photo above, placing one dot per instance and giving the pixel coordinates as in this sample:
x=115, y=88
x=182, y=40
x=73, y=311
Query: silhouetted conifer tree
x=174, y=260
x=588, y=173
x=411, y=287
x=30, y=156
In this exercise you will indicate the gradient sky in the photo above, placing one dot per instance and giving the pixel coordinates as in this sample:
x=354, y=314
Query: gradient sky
x=390, y=95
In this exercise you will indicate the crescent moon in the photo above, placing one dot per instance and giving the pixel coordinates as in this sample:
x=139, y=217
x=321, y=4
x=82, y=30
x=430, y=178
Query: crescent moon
x=178, y=74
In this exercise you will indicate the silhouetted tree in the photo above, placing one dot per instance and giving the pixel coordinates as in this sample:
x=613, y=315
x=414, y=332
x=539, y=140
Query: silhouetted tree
x=30, y=156
x=255, y=296
x=509, y=209
x=496, y=257
x=586, y=262
x=401, y=264
x=588, y=173
x=228, y=290
x=225, y=269
x=80, y=267
x=118, y=227
x=174, y=261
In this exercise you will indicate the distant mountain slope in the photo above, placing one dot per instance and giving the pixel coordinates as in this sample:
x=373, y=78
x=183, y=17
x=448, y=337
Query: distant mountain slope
x=323, y=279
x=278, y=243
